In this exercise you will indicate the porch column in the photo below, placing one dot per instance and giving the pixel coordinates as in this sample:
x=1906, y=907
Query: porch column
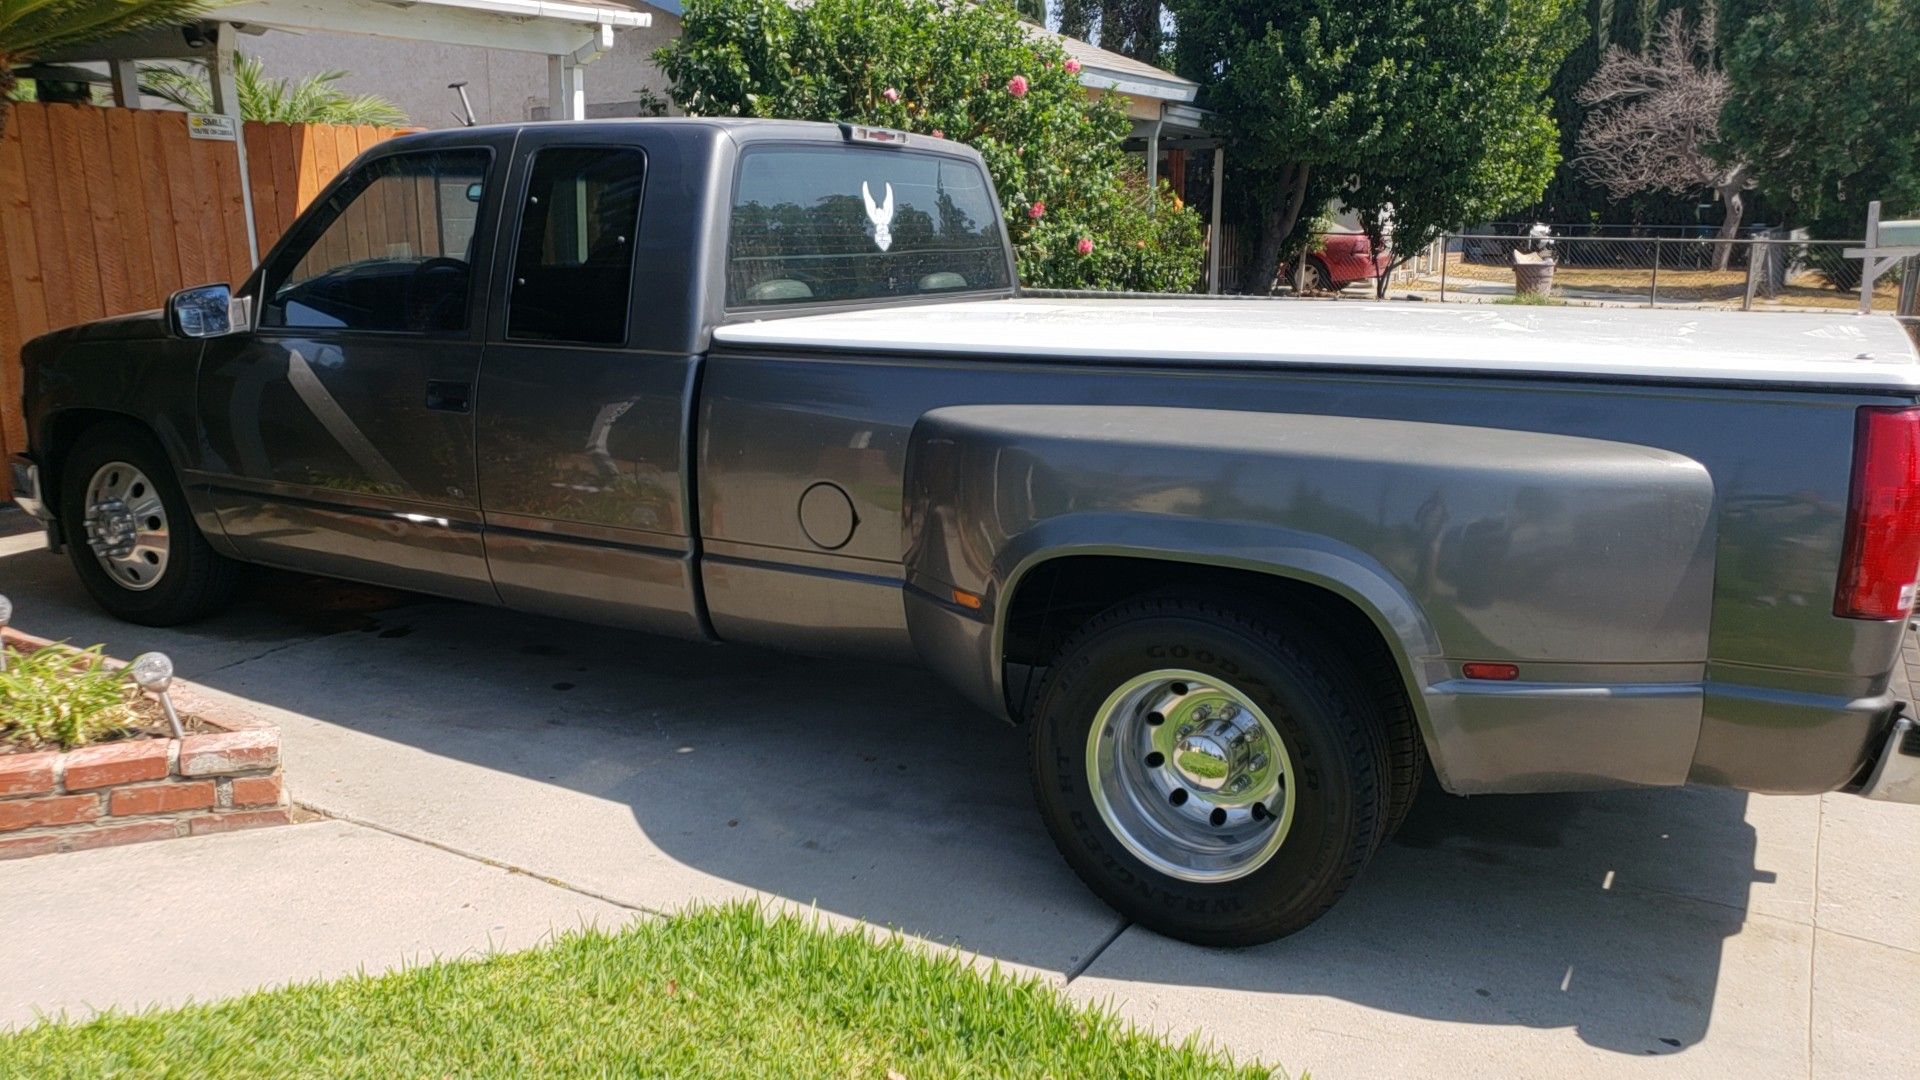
x=126, y=83
x=1215, y=234
x=224, y=96
x=566, y=89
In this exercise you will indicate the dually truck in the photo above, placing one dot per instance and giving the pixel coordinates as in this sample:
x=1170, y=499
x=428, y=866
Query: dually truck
x=1246, y=571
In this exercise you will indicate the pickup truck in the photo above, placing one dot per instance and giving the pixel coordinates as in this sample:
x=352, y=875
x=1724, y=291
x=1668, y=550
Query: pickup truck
x=1246, y=571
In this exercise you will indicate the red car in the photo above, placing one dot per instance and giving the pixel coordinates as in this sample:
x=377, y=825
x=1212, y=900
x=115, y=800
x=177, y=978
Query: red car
x=1341, y=259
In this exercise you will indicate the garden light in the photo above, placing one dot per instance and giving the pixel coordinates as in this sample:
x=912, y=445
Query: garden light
x=153, y=673
x=6, y=619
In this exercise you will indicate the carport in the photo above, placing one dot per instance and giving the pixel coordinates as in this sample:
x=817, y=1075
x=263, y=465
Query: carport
x=570, y=33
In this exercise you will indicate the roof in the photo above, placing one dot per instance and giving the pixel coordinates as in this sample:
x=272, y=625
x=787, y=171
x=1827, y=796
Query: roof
x=1101, y=69
x=540, y=26
x=1811, y=350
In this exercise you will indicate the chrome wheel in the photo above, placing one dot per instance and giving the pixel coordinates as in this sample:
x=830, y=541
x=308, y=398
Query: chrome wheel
x=126, y=526
x=1191, y=776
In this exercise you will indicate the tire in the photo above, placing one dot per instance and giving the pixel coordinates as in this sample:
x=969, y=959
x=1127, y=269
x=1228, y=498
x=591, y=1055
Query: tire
x=186, y=578
x=1306, y=697
x=1313, y=278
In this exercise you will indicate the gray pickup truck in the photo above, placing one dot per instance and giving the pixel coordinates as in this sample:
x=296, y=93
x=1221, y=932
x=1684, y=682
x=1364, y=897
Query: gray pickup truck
x=1247, y=571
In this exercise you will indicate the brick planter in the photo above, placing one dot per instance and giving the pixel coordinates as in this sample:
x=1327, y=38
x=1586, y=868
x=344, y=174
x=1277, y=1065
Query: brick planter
x=142, y=789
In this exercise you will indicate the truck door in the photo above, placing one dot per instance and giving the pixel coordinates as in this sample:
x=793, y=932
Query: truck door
x=340, y=426
x=582, y=436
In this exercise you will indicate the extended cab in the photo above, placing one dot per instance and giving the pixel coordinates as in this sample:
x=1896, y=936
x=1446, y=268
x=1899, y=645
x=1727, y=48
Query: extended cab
x=1243, y=568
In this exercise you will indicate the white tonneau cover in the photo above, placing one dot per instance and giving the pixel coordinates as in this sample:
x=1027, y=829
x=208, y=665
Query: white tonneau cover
x=1842, y=351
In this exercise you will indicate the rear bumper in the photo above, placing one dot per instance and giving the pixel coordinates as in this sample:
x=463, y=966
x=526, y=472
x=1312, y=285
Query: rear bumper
x=1895, y=776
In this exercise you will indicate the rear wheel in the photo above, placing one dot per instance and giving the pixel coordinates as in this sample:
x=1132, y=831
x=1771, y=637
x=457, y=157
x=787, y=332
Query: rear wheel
x=131, y=535
x=1313, y=277
x=1213, y=774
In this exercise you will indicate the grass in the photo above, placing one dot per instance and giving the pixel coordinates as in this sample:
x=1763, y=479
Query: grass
x=1530, y=299
x=60, y=696
x=715, y=992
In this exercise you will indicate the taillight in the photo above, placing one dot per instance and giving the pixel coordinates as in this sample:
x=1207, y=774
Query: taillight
x=1881, y=562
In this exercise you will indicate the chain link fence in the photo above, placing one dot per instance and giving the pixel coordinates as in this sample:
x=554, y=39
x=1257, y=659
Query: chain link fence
x=1750, y=273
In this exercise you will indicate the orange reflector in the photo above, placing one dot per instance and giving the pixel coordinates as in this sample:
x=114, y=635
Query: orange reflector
x=1480, y=669
x=966, y=599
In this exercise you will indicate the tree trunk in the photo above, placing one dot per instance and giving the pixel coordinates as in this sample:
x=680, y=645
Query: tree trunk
x=1729, y=190
x=1275, y=223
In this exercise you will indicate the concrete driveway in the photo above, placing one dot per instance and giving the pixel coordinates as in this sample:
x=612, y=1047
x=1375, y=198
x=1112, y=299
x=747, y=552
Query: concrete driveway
x=1681, y=932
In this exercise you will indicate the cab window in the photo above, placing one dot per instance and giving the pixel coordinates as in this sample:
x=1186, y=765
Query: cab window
x=391, y=251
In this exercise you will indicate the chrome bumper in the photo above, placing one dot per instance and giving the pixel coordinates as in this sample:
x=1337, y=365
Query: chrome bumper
x=1896, y=776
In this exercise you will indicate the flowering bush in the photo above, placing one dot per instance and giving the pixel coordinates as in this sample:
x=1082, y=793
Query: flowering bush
x=971, y=72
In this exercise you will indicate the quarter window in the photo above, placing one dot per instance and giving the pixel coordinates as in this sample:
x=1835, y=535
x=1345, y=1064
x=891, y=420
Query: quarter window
x=393, y=250
x=573, y=262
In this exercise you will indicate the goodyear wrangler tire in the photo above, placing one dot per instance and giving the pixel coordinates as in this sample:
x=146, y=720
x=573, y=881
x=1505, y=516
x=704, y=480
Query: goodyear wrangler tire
x=1210, y=773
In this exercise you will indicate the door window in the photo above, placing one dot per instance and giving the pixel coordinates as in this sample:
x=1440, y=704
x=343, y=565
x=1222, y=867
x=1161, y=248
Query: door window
x=392, y=251
x=573, y=262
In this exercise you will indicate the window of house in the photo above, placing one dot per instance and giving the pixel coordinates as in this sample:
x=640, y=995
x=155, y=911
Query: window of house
x=573, y=261
x=392, y=251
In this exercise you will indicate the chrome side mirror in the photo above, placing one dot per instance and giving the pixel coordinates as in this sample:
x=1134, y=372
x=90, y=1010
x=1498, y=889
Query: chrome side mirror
x=203, y=311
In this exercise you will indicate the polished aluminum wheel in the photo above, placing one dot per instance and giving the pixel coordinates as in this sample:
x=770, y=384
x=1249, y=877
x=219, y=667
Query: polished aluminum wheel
x=1191, y=776
x=126, y=526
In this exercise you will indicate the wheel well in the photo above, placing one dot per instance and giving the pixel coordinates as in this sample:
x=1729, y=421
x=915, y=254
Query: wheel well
x=1059, y=596
x=63, y=431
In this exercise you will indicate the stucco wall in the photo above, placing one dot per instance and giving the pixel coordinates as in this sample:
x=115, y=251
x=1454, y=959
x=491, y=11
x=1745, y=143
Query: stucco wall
x=504, y=86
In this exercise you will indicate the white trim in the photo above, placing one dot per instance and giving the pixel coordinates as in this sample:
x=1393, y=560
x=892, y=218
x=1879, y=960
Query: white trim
x=1099, y=78
x=533, y=26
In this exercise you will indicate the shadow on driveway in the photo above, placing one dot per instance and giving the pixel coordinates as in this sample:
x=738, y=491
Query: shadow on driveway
x=654, y=771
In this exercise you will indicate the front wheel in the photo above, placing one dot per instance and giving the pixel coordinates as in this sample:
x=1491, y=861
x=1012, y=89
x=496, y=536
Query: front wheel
x=1212, y=774
x=131, y=534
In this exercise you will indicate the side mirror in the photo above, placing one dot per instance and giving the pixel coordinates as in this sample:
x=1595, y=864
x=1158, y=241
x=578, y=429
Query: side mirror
x=203, y=311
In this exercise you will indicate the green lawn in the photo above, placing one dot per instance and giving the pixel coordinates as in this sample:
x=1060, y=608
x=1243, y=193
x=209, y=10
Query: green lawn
x=716, y=992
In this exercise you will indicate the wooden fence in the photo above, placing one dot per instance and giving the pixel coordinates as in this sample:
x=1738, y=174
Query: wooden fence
x=107, y=211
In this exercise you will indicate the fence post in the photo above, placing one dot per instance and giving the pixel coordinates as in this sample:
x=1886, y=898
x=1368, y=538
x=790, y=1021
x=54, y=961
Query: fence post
x=1444, y=244
x=1909, y=302
x=1653, y=290
x=1756, y=251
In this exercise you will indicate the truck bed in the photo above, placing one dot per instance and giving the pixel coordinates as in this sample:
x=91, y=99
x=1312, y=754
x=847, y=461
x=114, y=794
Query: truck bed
x=1808, y=351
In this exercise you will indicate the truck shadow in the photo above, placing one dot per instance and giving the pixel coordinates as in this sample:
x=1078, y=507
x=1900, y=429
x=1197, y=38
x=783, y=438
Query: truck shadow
x=874, y=793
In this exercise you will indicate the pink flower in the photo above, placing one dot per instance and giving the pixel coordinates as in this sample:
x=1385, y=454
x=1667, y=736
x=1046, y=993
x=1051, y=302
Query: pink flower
x=1036, y=210
x=938, y=134
x=1072, y=66
x=890, y=94
x=1017, y=86
x=1084, y=247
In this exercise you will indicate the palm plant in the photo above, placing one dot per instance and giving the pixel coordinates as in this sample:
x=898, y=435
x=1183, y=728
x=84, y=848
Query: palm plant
x=312, y=100
x=34, y=28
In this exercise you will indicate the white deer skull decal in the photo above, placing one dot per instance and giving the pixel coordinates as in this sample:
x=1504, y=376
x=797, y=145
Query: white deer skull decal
x=881, y=215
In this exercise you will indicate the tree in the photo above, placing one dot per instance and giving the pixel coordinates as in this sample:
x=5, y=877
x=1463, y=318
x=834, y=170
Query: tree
x=34, y=28
x=1825, y=101
x=312, y=100
x=1132, y=28
x=1434, y=108
x=1077, y=207
x=1653, y=120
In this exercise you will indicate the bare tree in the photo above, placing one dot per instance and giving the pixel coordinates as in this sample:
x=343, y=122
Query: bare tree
x=1654, y=120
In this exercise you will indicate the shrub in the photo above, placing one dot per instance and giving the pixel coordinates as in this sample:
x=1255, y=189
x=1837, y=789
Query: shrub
x=58, y=696
x=1076, y=205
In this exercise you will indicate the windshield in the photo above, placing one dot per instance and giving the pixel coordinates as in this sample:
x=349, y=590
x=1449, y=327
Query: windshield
x=823, y=224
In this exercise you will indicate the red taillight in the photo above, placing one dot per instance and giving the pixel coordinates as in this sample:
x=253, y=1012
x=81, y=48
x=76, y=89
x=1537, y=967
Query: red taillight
x=1881, y=561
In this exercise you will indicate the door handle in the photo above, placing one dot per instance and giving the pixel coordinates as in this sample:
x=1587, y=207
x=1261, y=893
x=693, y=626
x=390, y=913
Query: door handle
x=449, y=396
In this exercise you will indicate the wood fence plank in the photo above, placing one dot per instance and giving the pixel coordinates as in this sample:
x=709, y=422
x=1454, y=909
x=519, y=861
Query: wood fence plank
x=130, y=207
x=189, y=220
x=260, y=183
x=204, y=156
x=76, y=233
x=103, y=211
x=36, y=149
x=27, y=300
x=286, y=172
x=230, y=209
x=157, y=192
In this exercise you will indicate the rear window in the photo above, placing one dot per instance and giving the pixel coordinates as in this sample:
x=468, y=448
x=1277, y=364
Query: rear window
x=815, y=225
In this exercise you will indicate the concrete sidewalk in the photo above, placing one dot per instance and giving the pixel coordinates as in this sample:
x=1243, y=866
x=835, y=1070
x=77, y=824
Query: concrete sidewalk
x=1683, y=932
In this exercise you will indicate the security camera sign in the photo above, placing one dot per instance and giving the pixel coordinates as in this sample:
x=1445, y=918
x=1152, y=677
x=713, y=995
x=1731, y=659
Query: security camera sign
x=211, y=126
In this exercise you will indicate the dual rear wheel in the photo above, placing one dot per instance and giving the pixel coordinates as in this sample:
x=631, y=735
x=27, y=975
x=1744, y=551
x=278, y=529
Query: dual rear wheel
x=1215, y=773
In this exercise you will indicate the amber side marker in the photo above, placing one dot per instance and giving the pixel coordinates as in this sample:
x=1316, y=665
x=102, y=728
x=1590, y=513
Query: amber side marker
x=966, y=599
x=1480, y=669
